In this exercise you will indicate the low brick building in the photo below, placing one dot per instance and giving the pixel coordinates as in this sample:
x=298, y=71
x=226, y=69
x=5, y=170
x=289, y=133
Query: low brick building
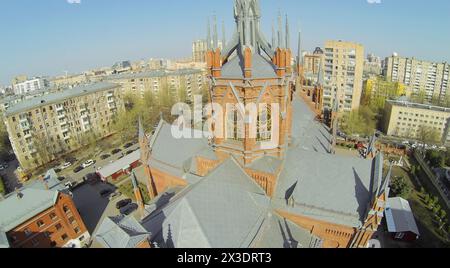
x=41, y=215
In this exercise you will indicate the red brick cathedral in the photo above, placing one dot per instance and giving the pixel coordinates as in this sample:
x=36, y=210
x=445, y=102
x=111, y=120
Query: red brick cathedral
x=266, y=177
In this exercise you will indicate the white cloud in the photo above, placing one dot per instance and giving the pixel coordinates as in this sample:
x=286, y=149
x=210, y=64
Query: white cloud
x=74, y=1
x=374, y=1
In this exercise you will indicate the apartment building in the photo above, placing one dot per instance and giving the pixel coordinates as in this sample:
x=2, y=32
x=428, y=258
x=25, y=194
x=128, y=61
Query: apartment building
x=426, y=78
x=69, y=80
x=343, y=74
x=377, y=90
x=312, y=63
x=190, y=80
x=408, y=120
x=41, y=215
x=45, y=127
x=30, y=85
x=199, y=48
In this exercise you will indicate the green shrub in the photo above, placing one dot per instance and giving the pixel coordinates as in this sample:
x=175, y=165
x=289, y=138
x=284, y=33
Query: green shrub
x=2, y=187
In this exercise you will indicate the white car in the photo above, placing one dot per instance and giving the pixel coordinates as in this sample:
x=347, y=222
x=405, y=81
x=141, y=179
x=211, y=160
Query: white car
x=66, y=165
x=88, y=163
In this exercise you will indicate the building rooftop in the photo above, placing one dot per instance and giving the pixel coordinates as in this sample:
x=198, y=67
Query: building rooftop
x=408, y=104
x=121, y=232
x=29, y=201
x=121, y=164
x=399, y=216
x=261, y=68
x=152, y=74
x=54, y=98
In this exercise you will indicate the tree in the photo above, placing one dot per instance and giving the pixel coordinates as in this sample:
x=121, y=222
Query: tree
x=359, y=122
x=428, y=135
x=436, y=158
x=400, y=187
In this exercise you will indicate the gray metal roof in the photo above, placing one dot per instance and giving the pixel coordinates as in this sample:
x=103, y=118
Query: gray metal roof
x=120, y=164
x=268, y=164
x=261, y=68
x=54, y=98
x=399, y=216
x=278, y=232
x=121, y=232
x=154, y=74
x=35, y=198
x=204, y=215
x=329, y=188
x=307, y=133
x=4, y=243
x=172, y=153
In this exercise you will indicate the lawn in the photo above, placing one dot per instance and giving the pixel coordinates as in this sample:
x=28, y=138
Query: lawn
x=430, y=237
x=127, y=190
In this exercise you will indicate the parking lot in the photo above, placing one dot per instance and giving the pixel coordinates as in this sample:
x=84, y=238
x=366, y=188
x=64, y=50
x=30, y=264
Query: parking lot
x=93, y=207
x=70, y=175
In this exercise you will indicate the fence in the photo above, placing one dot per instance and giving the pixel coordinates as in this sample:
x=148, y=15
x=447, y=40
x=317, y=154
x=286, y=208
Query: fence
x=432, y=177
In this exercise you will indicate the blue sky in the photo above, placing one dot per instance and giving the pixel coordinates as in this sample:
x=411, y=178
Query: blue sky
x=48, y=37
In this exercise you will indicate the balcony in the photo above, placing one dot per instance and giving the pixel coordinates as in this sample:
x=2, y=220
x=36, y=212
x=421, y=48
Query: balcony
x=59, y=108
x=61, y=116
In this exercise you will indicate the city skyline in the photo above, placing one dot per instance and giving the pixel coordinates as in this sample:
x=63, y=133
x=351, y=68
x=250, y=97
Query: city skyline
x=86, y=34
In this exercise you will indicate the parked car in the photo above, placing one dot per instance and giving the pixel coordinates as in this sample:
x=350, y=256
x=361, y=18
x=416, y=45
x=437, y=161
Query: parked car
x=116, y=151
x=105, y=193
x=70, y=185
x=88, y=163
x=128, y=209
x=105, y=156
x=65, y=165
x=129, y=152
x=61, y=178
x=78, y=169
x=123, y=203
x=128, y=145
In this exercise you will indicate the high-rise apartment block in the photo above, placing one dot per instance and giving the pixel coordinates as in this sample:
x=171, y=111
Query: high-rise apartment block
x=343, y=74
x=199, y=49
x=424, y=78
x=312, y=63
x=43, y=128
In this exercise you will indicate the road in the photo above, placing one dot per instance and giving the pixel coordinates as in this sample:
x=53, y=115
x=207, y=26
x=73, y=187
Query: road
x=78, y=177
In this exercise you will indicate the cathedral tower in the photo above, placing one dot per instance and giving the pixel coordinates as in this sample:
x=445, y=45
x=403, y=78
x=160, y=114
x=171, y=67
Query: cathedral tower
x=252, y=83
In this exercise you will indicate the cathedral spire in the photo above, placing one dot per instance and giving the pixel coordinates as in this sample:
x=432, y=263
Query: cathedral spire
x=208, y=36
x=299, y=56
x=215, y=34
x=224, y=36
x=288, y=36
x=273, y=35
x=280, y=30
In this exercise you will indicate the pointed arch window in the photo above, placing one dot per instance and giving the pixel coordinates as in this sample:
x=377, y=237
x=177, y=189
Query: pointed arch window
x=264, y=123
x=235, y=124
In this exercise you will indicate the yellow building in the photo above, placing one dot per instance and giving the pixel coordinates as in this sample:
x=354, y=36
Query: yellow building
x=409, y=120
x=343, y=74
x=377, y=90
x=49, y=126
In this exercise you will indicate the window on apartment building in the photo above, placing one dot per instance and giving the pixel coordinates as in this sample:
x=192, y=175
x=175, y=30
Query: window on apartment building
x=53, y=216
x=40, y=223
x=71, y=220
x=64, y=237
x=77, y=230
x=66, y=209
x=27, y=232
x=58, y=226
